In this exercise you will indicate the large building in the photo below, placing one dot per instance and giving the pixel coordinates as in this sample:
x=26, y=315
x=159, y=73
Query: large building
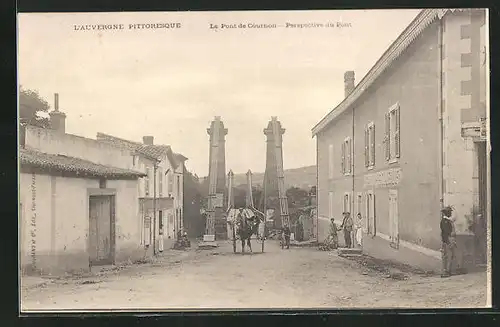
x=78, y=202
x=409, y=139
x=161, y=192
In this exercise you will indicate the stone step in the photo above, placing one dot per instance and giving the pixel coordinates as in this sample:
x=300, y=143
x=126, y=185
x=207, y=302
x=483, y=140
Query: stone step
x=304, y=244
x=349, y=252
x=205, y=245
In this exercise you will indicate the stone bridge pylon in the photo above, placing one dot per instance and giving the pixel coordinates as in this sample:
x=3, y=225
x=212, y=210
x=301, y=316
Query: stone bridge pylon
x=216, y=226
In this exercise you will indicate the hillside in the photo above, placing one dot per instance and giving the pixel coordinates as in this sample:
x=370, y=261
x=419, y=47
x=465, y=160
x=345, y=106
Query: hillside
x=303, y=177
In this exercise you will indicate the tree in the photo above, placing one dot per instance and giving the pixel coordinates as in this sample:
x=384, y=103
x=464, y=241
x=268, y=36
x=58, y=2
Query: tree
x=297, y=197
x=33, y=109
x=193, y=201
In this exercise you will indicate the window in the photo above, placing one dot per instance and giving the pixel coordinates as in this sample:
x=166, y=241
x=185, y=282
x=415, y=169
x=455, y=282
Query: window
x=393, y=218
x=146, y=181
x=170, y=183
x=102, y=183
x=330, y=205
x=330, y=161
x=160, y=181
x=160, y=220
x=178, y=186
x=346, y=203
x=359, y=203
x=370, y=145
x=346, y=166
x=392, y=137
x=181, y=220
x=134, y=158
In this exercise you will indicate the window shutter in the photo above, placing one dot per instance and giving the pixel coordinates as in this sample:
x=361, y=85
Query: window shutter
x=372, y=145
x=396, y=135
x=374, y=215
x=170, y=183
x=349, y=199
x=387, y=139
x=147, y=181
x=366, y=147
x=349, y=159
x=342, y=168
x=160, y=181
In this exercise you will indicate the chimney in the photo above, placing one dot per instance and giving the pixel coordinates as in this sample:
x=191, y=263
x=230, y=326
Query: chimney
x=348, y=82
x=148, y=140
x=57, y=118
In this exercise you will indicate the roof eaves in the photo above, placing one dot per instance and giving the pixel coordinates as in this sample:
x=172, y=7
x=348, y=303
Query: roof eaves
x=414, y=29
x=55, y=162
x=171, y=158
x=180, y=157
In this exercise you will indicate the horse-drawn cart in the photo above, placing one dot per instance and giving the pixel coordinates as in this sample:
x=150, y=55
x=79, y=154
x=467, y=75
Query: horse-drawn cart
x=244, y=223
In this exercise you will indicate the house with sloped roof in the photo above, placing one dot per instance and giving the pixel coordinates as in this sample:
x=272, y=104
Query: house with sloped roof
x=161, y=192
x=411, y=138
x=78, y=203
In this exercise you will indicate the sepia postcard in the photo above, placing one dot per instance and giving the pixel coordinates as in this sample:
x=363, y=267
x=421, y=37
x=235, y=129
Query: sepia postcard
x=269, y=160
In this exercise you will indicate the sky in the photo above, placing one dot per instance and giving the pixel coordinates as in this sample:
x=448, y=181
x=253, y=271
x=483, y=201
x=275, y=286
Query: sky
x=170, y=83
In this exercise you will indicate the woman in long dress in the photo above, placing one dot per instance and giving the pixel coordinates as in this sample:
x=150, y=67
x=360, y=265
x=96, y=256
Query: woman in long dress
x=359, y=230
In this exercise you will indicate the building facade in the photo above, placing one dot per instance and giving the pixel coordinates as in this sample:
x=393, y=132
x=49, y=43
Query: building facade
x=407, y=140
x=74, y=213
x=160, y=192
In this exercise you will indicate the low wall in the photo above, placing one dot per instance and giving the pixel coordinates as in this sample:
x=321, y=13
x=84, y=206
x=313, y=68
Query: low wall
x=130, y=252
x=50, y=141
x=73, y=261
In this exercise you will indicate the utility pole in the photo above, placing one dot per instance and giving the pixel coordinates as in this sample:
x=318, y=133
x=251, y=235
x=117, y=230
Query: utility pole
x=155, y=167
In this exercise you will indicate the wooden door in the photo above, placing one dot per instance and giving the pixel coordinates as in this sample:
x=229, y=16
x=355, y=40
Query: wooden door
x=393, y=218
x=370, y=213
x=101, y=236
x=480, y=222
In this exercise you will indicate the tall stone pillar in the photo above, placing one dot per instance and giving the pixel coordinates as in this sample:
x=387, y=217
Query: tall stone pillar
x=249, y=195
x=216, y=223
x=274, y=187
x=271, y=177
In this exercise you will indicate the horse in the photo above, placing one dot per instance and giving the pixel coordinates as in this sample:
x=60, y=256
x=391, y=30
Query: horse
x=245, y=228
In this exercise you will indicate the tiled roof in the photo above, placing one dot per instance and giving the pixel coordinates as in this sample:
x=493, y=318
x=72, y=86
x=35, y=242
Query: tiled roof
x=412, y=31
x=57, y=162
x=151, y=151
x=130, y=145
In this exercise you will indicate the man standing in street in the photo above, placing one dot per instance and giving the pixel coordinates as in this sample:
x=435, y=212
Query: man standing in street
x=448, y=241
x=347, y=224
x=286, y=234
x=333, y=240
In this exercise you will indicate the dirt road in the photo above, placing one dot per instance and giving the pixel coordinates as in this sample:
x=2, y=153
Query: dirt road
x=295, y=278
